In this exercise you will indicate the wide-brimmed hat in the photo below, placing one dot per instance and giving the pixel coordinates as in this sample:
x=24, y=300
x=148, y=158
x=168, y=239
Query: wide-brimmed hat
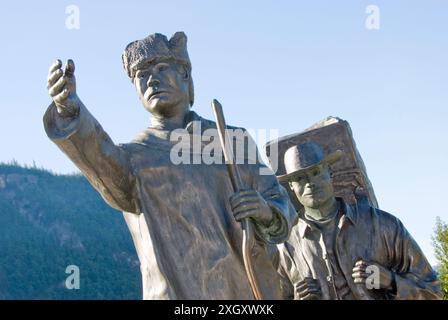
x=305, y=156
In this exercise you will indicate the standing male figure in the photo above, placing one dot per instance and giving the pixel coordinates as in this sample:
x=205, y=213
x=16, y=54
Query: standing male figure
x=183, y=218
x=340, y=251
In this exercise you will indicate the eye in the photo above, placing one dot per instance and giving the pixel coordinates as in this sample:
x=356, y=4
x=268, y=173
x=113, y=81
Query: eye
x=162, y=67
x=141, y=74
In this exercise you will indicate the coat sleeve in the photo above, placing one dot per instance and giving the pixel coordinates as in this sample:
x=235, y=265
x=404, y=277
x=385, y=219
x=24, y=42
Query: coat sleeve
x=414, y=277
x=285, y=216
x=283, y=262
x=262, y=179
x=284, y=213
x=105, y=164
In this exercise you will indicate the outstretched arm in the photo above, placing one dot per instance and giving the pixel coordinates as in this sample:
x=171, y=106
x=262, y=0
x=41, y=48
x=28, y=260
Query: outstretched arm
x=79, y=135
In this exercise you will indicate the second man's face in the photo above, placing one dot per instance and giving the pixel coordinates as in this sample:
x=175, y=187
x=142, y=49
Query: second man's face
x=313, y=187
x=163, y=88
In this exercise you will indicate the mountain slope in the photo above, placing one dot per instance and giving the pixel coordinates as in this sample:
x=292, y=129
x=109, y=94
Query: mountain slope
x=48, y=222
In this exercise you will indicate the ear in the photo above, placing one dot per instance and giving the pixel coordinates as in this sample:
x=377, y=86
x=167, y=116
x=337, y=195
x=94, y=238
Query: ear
x=185, y=72
x=290, y=185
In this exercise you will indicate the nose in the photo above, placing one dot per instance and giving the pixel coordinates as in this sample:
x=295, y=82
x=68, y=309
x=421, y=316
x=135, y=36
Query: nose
x=152, y=82
x=310, y=184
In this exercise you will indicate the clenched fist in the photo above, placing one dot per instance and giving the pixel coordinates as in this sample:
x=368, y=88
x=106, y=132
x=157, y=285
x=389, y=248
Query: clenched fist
x=385, y=276
x=61, y=86
x=308, y=289
x=250, y=204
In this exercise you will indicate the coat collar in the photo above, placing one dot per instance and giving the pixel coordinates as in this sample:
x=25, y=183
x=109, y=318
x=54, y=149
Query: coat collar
x=193, y=122
x=349, y=214
x=193, y=118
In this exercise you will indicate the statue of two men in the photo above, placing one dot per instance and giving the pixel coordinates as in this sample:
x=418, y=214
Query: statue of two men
x=183, y=218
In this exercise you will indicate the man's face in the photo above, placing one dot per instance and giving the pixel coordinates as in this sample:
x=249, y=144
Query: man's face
x=313, y=187
x=163, y=88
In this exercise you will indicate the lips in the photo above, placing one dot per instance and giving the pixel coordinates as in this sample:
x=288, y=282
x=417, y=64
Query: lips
x=311, y=193
x=155, y=93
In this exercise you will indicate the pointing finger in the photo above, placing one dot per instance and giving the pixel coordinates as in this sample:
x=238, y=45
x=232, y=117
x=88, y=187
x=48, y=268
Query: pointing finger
x=56, y=65
x=69, y=68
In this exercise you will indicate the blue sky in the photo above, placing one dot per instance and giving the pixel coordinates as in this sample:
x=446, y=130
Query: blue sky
x=273, y=64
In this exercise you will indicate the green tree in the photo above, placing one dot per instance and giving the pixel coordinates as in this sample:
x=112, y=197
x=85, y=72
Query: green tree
x=440, y=241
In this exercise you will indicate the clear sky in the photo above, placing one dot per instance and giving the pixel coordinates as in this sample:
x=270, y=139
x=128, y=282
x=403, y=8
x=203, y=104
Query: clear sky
x=273, y=65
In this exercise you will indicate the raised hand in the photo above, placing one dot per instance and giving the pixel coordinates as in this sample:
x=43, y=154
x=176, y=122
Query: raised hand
x=61, y=86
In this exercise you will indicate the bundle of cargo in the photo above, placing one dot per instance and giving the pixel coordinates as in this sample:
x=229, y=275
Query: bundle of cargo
x=350, y=178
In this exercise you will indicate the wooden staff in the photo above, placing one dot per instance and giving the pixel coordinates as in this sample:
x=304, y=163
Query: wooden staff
x=235, y=177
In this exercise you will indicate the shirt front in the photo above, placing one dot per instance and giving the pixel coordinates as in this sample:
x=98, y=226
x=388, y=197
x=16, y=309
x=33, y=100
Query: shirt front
x=326, y=231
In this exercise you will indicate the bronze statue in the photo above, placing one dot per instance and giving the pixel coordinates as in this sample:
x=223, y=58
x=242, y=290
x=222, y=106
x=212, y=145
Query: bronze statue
x=183, y=218
x=346, y=252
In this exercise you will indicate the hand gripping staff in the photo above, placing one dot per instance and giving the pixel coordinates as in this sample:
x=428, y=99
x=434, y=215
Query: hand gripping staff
x=235, y=177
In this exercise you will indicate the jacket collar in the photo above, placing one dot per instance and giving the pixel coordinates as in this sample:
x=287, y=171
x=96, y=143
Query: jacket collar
x=349, y=214
x=193, y=119
x=194, y=122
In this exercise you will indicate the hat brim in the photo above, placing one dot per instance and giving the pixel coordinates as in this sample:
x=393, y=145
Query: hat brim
x=330, y=159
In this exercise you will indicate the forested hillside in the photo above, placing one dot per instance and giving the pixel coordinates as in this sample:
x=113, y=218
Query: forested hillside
x=48, y=222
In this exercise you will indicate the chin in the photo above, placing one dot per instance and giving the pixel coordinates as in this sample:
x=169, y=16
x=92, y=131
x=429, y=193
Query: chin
x=309, y=203
x=315, y=205
x=312, y=203
x=159, y=107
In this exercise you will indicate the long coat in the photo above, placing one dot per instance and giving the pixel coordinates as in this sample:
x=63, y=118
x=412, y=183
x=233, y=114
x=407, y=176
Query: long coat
x=179, y=216
x=363, y=232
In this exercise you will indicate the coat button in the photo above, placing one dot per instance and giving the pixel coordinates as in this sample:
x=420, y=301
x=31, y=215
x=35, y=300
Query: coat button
x=329, y=278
